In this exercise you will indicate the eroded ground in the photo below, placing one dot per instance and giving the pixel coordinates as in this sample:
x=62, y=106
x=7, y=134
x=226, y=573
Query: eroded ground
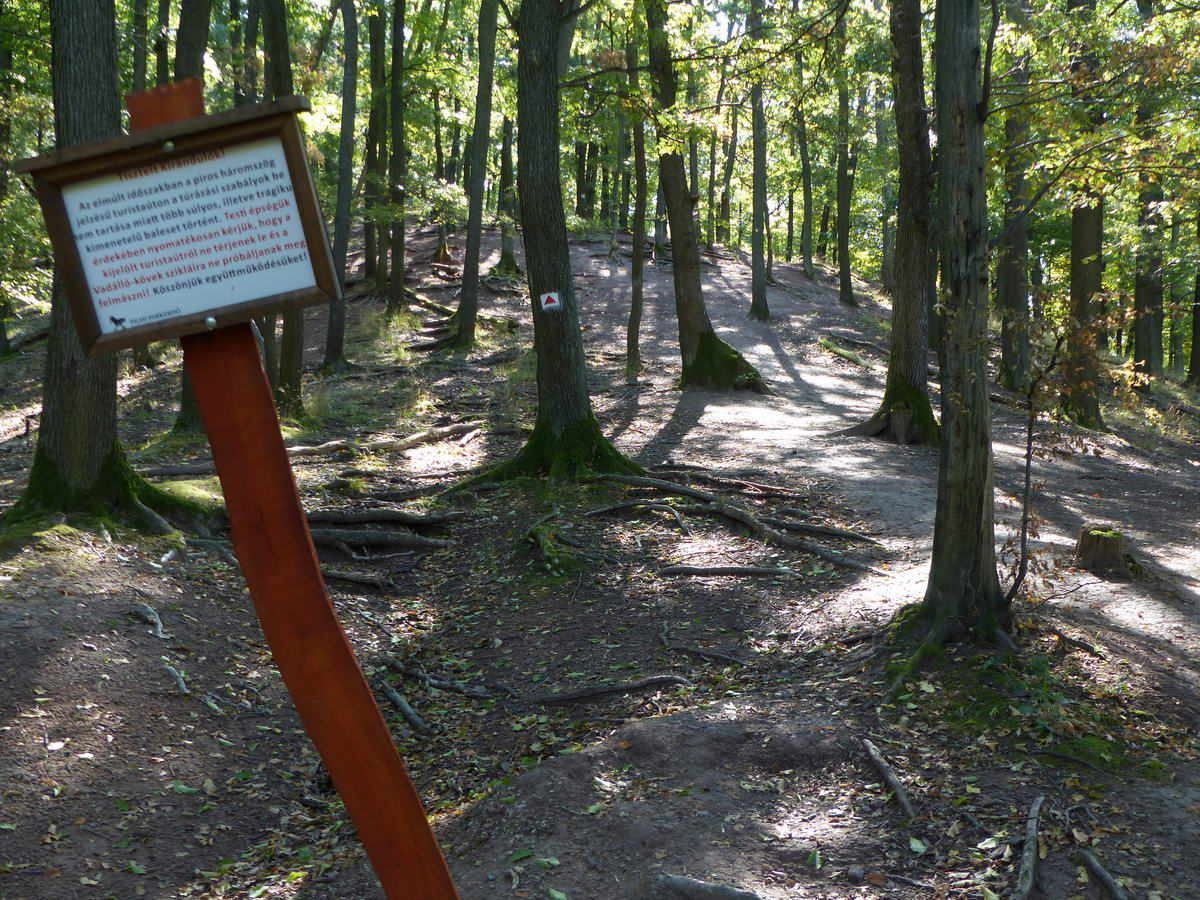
x=748, y=770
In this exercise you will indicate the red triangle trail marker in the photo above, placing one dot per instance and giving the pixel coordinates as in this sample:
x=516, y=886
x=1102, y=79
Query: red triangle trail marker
x=550, y=301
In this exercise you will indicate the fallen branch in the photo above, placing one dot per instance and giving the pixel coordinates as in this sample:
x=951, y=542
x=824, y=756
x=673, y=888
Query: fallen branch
x=808, y=528
x=890, y=777
x=1029, y=853
x=1101, y=875
x=711, y=655
x=740, y=571
x=654, y=681
x=336, y=537
x=691, y=889
x=406, y=710
x=354, y=578
x=1077, y=644
x=441, y=684
x=150, y=616
x=17, y=343
x=359, y=516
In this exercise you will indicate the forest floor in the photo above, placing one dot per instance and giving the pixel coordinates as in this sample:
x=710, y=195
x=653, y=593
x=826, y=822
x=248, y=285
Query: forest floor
x=746, y=768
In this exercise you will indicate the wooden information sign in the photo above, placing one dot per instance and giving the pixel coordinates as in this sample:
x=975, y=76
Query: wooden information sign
x=186, y=226
x=282, y=262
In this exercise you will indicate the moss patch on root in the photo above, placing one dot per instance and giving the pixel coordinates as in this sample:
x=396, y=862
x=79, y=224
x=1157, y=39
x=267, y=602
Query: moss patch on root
x=721, y=368
x=580, y=451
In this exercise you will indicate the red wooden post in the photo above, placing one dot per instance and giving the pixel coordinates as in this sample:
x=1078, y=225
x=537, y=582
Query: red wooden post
x=275, y=549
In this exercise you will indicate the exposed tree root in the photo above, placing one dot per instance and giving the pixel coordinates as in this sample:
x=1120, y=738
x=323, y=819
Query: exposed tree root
x=809, y=528
x=580, y=451
x=177, y=677
x=645, y=504
x=354, y=578
x=150, y=616
x=359, y=516
x=630, y=687
x=740, y=571
x=891, y=779
x=432, y=681
x=1029, y=853
x=684, y=888
x=336, y=537
x=848, y=355
x=1102, y=875
x=710, y=655
x=398, y=700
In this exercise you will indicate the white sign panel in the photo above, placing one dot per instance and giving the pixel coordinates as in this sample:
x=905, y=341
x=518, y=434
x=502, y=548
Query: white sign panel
x=189, y=235
x=550, y=301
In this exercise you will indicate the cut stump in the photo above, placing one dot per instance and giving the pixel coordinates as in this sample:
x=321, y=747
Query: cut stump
x=1098, y=548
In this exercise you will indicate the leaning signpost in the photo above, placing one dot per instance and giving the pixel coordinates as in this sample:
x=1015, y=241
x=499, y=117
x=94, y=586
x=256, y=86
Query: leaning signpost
x=188, y=227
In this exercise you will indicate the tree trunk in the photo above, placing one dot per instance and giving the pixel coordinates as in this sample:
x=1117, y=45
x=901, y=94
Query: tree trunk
x=507, y=207
x=288, y=388
x=250, y=51
x=566, y=441
x=468, y=304
x=723, y=230
x=1012, y=266
x=335, y=335
x=806, y=220
x=139, y=49
x=905, y=414
x=845, y=283
x=1080, y=399
x=707, y=360
x=887, y=228
x=371, y=182
x=78, y=463
x=963, y=594
x=191, y=41
x=5, y=139
x=660, y=224
x=758, y=265
x=398, y=162
x=633, y=359
x=162, y=51
x=1194, y=363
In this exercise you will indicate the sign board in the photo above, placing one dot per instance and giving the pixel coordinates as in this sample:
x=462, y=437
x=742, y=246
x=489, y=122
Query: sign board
x=550, y=301
x=185, y=227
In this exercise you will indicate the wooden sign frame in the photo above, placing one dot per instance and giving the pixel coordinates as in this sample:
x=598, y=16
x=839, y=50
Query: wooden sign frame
x=166, y=144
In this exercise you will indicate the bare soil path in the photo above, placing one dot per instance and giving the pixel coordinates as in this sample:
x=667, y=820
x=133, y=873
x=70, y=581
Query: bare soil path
x=749, y=775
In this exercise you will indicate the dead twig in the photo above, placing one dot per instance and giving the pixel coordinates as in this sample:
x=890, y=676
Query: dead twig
x=1102, y=875
x=890, y=777
x=432, y=681
x=1077, y=644
x=630, y=687
x=1029, y=853
x=410, y=715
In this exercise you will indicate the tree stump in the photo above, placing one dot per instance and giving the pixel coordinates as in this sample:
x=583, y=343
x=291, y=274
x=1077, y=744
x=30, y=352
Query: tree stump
x=1098, y=548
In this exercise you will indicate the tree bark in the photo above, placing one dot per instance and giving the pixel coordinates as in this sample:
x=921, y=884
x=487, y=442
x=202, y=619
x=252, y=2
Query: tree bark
x=335, y=334
x=566, y=441
x=468, y=304
x=723, y=229
x=1012, y=266
x=1194, y=363
x=78, y=463
x=162, y=57
x=250, y=51
x=963, y=594
x=1148, y=281
x=887, y=229
x=758, y=264
x=398, y=162
x=845, y=283
x=707, y=360
x=1080, y=400
x=806, y=220
x=633, y=360
x=905, y=413
x=506, y=205
x=139, y=49
x=373, y=178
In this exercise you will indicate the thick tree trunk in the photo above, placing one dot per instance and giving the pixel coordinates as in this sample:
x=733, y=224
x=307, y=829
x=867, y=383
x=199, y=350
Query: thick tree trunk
x=468, y=304
x=78, y=463
x=963, y=594
x=633, y=358
x=1148, y=280
x=398, y=162
x=566, y=441
x=660, y=224
x=758, y=265
x=905, y=414
x=707, y=360
x=335, y=334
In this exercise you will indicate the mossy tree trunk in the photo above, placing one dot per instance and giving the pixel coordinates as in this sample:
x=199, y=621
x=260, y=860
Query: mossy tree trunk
x=963, y=594
x=79, y=464
x=468, y=304
x=707, y=360
x=905, y=413
x=566, y=442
